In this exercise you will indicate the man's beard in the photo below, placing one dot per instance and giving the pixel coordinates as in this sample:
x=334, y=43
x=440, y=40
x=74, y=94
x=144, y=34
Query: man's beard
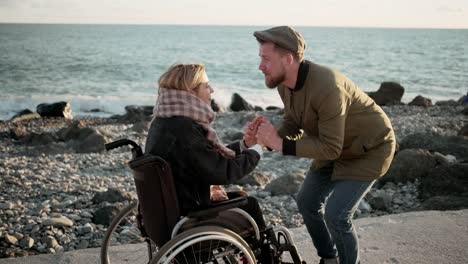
x=274, y=82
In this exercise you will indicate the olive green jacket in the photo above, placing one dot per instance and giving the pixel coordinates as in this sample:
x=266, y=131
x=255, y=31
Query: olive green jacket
x=330, y=119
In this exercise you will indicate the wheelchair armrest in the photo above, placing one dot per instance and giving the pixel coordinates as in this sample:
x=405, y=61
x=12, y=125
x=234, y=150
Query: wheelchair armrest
x=216, y=207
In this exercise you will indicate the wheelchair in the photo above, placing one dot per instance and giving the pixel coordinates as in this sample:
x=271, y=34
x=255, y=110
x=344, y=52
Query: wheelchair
x=151, y=230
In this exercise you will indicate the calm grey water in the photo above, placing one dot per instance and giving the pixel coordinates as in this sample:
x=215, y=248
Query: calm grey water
x=110, y=66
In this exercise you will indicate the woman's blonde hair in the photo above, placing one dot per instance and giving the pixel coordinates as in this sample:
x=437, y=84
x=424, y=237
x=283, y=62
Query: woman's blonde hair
x=183, y=77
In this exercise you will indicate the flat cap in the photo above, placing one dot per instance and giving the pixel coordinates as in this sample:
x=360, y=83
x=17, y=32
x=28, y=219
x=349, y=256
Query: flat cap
x=283, y=36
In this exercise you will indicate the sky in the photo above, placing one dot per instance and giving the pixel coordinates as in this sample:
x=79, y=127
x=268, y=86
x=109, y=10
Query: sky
x=344, y=13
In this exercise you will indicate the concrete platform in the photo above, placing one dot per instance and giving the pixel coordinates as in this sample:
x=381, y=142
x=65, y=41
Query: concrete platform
x=417, y=237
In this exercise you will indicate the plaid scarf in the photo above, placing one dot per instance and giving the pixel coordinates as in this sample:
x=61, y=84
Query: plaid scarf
x=182, y=103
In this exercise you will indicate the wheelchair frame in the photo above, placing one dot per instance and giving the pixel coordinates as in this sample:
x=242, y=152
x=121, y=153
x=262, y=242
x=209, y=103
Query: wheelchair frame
x=234, y=248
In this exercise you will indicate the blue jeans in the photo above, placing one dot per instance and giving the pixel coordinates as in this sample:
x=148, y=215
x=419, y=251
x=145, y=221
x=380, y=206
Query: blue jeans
x=328, y=208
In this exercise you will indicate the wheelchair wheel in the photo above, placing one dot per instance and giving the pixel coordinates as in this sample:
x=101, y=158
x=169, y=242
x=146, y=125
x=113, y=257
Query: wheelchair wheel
x=206, y=244
x=123, y=242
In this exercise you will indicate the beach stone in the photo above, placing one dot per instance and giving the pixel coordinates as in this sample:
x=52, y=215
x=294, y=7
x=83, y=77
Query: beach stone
x=58, y=109
x=62, y=221
x=239, y=104
x=6, y=205
x=26, y=242
x=83, y=244
x=388, y=93
x=51, y=242
x=12, y=240
x=421, y=101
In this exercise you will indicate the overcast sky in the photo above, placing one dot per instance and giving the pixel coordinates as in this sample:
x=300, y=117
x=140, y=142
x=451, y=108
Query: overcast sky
x=348, y=13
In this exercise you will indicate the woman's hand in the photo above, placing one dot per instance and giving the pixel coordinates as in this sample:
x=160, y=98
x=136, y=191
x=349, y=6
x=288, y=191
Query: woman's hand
x=217, y=193
x=250, y=131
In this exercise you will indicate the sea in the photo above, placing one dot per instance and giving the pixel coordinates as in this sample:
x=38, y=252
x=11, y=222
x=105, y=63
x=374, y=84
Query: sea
x=107, y=67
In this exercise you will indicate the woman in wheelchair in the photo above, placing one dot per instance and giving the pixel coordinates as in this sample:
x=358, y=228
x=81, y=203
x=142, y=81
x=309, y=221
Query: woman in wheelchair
x=181, y=133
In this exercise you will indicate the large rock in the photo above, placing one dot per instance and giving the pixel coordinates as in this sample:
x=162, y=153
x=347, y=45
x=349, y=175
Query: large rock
x=255, y=178
x=454, y=145
x=388, y=93
x=409, y=165
x=105, y=215
x=463, y=131
x=73, y=131
x=239, y=104
x=287, y=185
x=111, y=196
x=24, y=115
x=444, y=203
x=59, y=109
x=38, y=139
x=445, y=180
x=137, y=113
x=421, y=101
x=91, y=141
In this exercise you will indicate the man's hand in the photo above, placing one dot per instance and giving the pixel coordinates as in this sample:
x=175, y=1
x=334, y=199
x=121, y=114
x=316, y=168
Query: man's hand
x=250, y=131
x=268, y=136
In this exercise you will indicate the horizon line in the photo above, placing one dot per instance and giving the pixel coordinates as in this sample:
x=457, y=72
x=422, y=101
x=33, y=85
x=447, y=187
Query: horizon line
x=225, y=25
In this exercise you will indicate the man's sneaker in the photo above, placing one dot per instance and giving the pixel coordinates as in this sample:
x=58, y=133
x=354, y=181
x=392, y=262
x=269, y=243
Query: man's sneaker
x=329, y=261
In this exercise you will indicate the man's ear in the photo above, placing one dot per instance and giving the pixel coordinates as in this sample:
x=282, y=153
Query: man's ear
x=289, y=59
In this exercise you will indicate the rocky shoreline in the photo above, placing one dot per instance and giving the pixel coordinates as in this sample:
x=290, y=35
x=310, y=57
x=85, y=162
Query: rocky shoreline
x=59, y=188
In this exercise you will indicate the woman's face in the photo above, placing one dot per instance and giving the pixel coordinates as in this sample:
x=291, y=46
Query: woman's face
x=204, y=92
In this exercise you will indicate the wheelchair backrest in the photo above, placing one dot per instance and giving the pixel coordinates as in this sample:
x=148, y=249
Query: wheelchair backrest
x=157, y=196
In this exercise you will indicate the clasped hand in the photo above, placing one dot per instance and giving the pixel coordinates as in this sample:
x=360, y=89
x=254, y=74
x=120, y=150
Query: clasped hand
x=261, y=131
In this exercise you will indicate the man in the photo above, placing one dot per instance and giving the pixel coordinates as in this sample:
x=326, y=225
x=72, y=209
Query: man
x=329, y=119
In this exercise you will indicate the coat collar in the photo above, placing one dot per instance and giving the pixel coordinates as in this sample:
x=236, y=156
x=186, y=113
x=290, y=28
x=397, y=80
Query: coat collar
x=301, y=75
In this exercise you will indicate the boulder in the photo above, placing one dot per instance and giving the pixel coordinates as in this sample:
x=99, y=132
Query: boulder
x=445, y=180
x=443, y=203
x=421, y=101
x=73, y=131
x=255, y=178
x=447, y=103
x=216, y=107
x=289, y=184
x=112, y=195
x=91, y=140
x=23, y=115
x=389, y=93
x=409, y=165
x=38, y=139
x=463, y=131
x=454, y=145
x=239, y=104
x=105, y=215
x=59, y=109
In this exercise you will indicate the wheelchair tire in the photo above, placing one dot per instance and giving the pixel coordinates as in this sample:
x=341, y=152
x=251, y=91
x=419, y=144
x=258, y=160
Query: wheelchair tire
x=124, y=231
x=218, y=245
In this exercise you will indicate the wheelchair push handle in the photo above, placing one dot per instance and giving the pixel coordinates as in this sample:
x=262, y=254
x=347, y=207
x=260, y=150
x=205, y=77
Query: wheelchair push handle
x=136, y=149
